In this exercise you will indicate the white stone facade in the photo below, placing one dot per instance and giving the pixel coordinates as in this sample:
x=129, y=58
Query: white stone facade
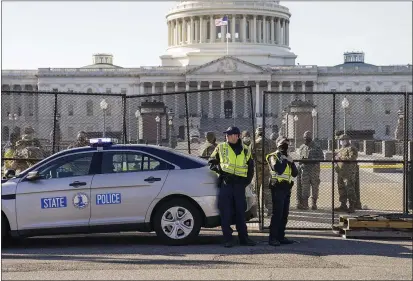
x=206, y=68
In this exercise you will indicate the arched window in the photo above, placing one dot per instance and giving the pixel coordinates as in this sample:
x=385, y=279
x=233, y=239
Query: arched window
x=90, y=90
x=368, y=106
x=89, y=108
x=5, y=133
x=228, y=109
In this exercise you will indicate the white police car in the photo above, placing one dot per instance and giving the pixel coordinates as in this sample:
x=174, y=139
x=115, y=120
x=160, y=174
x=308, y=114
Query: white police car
x=113, y=188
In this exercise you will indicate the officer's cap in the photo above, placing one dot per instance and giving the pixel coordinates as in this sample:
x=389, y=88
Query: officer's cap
x=308, y=135
x=344, y=137
x=282, y=140
x=258, y=130
x=245, y=134
x=232, y=131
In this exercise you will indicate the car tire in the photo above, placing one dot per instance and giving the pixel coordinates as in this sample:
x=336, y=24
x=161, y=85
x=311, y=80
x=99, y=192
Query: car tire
x=177, y=222
x=5, y=232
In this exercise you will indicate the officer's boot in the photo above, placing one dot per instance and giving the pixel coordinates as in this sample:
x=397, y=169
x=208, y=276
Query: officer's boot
x=314, y=206
x=351, y=208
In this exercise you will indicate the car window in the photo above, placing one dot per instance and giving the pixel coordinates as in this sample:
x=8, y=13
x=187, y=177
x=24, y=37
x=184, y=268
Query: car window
x=120, y=162
x=69, y=166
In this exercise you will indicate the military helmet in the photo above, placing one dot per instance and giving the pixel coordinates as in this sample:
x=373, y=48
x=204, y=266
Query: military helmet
x=245, y=134
x=210, y=136
x=308, y=135
x=344, y=137
x=28, y=131
x=281, y=140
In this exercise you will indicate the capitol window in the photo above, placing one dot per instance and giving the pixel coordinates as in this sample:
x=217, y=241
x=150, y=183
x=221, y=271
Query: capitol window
x=90, y=90
x=70, y=109
x=89, y=108
x=228, y=109
x=368, y=106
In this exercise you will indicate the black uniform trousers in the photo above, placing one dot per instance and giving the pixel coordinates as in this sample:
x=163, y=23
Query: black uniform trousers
x=281, y=195
x=232, y=201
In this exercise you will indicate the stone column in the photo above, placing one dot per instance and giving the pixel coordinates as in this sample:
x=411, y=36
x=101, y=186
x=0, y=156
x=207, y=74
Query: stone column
x=264, y=30
x=187, y=86
x=244, y=28
x=254, y=30
x=212, y=29
x=315, y=86
x=153, y=88
x=272, y=30
x=142, y=88
x=259, y=31
x=222, y=115
x=280, y=98
x=184, y=27
x=210, y=108
x=199, y=98
x=176, y=33
x=303, y=86
x=287, y=33
x=191, y=31
x=223, y=36
x=201, y=29
x=269, y=100
x=292, y=86
x=246, y=105
x=233, y=20
x=196, y=29
x=284, y=32
x=278, y=31
x=257, y=97
x=169, y=33
x=234, y=100
x=179, y=32
x=176, y=100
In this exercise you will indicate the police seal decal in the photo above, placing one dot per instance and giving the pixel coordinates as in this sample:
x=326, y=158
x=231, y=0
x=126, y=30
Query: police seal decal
x=80, y=200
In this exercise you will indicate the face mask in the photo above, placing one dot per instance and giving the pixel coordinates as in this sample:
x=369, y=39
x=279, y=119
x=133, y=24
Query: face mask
x=284, y=147
x=246, y=140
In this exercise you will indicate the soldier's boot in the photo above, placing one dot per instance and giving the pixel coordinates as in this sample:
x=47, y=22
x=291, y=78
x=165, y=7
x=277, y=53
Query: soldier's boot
x=351, y=208
x=342, y=208
x=305, y=204
x=314, y=206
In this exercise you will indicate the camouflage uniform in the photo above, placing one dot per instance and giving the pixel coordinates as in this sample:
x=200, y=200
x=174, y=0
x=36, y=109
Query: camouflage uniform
x=27, y=144
x=81, y=141
x=309, y=172
x=262, y=146
x=346, y=176
x=9, y=151
x=209, y=146
x=246, y=138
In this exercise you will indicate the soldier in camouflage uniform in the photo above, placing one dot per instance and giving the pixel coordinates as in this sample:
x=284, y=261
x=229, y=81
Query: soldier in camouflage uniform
x=262, y=145
x=309, y=172
x=273, y=141
x=346, y=175
x=81, y=140
x=209, y=146
x=246, y=138
x=9, y=151
x=27, y=148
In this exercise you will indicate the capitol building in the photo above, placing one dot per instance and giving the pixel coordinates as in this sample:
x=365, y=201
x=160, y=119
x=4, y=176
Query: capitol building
x=252, y=50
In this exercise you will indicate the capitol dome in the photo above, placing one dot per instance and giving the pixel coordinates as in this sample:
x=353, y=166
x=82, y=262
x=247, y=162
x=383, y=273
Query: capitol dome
x=257, y=32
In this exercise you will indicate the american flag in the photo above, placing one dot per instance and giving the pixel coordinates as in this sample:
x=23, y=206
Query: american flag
x=223, y=21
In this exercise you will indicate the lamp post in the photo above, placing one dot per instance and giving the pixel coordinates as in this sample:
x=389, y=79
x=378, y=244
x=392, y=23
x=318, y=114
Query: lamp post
x=295, y=131
x=345, y=104
x=228, y=36
x=104, y=107
x=158, y=120
x=12, y=118
x=137, y=115
x=170, y=123
x=314, y=113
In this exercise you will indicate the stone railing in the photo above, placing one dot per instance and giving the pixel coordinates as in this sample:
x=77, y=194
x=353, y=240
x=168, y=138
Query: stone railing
x=360, y=70
x=228, y=4
x=19, y=73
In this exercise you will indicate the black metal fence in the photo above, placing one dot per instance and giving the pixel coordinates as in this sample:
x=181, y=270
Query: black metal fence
x=379, y=126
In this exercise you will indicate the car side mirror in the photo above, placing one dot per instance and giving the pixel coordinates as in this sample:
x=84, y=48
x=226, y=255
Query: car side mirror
x=9, y=174
x=32, y=176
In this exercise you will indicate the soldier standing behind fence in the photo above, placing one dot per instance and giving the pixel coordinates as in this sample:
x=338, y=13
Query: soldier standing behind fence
x=10, y=149
x=28, y=147
x=309, y=172
x=81, y=140
x=246, y=138
x=346, y=175
x=209, y=146
x=262, y=169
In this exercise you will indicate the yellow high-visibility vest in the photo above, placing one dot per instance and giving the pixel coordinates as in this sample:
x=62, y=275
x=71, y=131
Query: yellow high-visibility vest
x=286, y=176
x=232, y=163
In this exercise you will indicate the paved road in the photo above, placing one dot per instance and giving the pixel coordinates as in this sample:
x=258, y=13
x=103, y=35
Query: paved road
x=140, y=256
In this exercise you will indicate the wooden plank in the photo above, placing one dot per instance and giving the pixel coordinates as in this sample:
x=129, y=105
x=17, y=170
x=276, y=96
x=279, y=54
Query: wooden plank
x=376, y=234
x=354, y=223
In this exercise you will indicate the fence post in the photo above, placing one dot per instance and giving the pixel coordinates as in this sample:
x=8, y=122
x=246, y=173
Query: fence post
x=187, y=123
x=124, y=117
x=333, y=160
x=54, y=123
x=261, y=184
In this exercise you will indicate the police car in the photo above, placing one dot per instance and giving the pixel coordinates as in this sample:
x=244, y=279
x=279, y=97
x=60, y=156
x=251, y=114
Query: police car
x=112, y=188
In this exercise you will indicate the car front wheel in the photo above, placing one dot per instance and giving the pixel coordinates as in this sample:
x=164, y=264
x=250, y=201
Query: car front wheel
x=177, y=222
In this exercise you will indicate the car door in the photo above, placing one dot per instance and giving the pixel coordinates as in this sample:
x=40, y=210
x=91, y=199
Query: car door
x=60, y=197
x=128, y=183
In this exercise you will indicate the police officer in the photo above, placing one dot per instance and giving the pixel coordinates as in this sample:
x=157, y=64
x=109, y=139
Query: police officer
x=232, y=161
x=282, y=172
x=10, y=149
x=309, y=172
x=262, y=145
x=81, y=140
x=209, y=146
x=346, y=175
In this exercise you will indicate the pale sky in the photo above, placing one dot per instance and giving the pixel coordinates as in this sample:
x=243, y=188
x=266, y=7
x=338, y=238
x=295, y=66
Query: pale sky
x=66, y=34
